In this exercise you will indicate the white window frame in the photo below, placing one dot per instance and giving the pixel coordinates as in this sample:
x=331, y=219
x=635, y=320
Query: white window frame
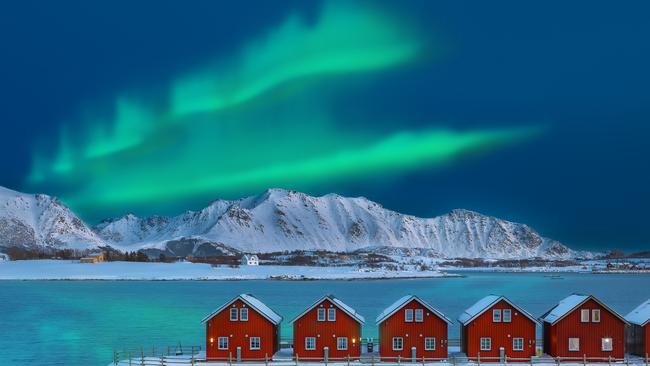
x=508, y=318
x=611, y=344
x=250, y=343
x=486, y=344
x=222, y=343
x=595, y=314
x=419, y=315
x=331, y=314
x=577, y=341
x=313, y=343
x=515, y=342
x=584, y=315
x=429, y=343
x=320, y=316
x=242, y=312
x=408, y=315
x=398, y=343
x=342, y=343
x=496, y=316
x=234, y=314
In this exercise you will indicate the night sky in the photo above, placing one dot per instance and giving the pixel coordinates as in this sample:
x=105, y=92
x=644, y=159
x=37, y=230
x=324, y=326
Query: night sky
x=535, y=112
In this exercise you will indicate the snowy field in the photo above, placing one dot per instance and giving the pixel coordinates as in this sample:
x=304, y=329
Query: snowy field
x=73, y=270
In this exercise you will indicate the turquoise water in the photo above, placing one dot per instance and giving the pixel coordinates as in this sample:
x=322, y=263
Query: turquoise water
x=79, y=323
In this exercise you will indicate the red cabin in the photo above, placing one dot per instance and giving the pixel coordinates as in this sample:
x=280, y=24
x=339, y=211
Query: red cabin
x=494, y=328
x=412, y=329
x=244, y=328
x=327, y=329
x=638, y=333
x=581, y=326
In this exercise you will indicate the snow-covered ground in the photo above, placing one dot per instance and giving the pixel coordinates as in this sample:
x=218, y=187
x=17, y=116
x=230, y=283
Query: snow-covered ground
x=73, y=270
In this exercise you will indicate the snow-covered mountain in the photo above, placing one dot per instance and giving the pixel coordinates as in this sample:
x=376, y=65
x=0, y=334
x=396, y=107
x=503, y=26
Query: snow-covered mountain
x=279, y=220
x=38, y=221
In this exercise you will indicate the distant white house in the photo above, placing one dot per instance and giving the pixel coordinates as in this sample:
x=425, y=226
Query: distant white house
x=250, y=260
x=4, y=257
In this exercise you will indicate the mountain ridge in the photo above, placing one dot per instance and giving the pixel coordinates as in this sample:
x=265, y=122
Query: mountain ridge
x=277, y=220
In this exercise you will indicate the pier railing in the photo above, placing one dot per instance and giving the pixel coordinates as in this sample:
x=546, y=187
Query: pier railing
x=192, y=356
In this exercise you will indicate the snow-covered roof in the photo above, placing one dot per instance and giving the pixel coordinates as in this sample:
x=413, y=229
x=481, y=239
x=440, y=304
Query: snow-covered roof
x=484, y=304
x=403, y=301
x=640, y=315
x=568, y=304
x=254, y=303
x=339, y=304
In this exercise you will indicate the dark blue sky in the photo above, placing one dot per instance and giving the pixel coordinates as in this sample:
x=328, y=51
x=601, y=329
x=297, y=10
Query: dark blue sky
x=579, y=69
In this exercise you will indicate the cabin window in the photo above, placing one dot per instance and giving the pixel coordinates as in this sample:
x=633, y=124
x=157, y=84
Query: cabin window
x=517, y=344
x=429, y=344
x=398, y=343
x=408, y=315
x=310, y=343
x=507, y=315
x=606, y=344
x=342, y=343
x=419, y=315
x=254, y=343
x=331, y=314
x=574, y=344
x=222, y=343
x=595, y=316
x=584, y=315
x=243, y=314
x=496, y=315
x=321, y=315
x=486, y=344
x=233, y=314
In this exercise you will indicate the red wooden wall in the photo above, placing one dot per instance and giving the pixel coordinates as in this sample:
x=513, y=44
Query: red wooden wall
x=501, y=333
x=326, y=333
x=413, y=333
x=590, y=334
x=647, y=340
x=238, y=333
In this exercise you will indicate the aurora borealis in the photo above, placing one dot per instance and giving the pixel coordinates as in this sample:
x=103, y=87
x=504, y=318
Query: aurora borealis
x=424, y=107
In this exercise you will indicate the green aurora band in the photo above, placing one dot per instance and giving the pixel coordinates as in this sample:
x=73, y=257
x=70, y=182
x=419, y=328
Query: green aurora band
x=223, y=131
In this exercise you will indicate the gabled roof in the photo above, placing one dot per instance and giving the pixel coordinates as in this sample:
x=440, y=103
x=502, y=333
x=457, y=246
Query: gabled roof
x=486, y=303
x=640, y=315
x=402, y=302
x=254, y=303
x=570, y=303
x=339, y=304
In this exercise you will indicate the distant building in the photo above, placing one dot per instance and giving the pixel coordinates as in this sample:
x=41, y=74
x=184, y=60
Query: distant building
x=582, y=326
x=638, y=333
x=250, y=260
x=94, y=257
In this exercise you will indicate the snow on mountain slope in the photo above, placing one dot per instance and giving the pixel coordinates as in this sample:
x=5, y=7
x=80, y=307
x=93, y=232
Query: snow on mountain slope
x=31, y=221
x=279, y=220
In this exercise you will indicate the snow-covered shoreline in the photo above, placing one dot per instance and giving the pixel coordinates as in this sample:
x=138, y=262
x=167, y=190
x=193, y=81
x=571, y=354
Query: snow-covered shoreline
x=49, y=269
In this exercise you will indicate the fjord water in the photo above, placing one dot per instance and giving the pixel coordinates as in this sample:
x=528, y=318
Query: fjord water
x=79, y=323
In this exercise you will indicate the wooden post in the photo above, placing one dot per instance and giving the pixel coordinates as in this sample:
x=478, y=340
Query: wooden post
x=422, y=360
x=162, y=360
x=531, y=360
x=348, y=360
x=130, y=359
x=192, y=359
x=372, y=360
x=478, y=358
x=584, y=359
x=609, y=361
x=296, y=359
x=399, y=359
x=229, y=358
x=557, y=360
x=141, y=356
x=114, y=357
x=266, y=359
x=505, y=359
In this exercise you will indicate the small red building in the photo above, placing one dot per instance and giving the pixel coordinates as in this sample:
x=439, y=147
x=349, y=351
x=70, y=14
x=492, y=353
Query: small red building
x=581, y=326
x=494, y=328
x=329, y=328
x=638, y=333
x=412, y=329
x=244, y=328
